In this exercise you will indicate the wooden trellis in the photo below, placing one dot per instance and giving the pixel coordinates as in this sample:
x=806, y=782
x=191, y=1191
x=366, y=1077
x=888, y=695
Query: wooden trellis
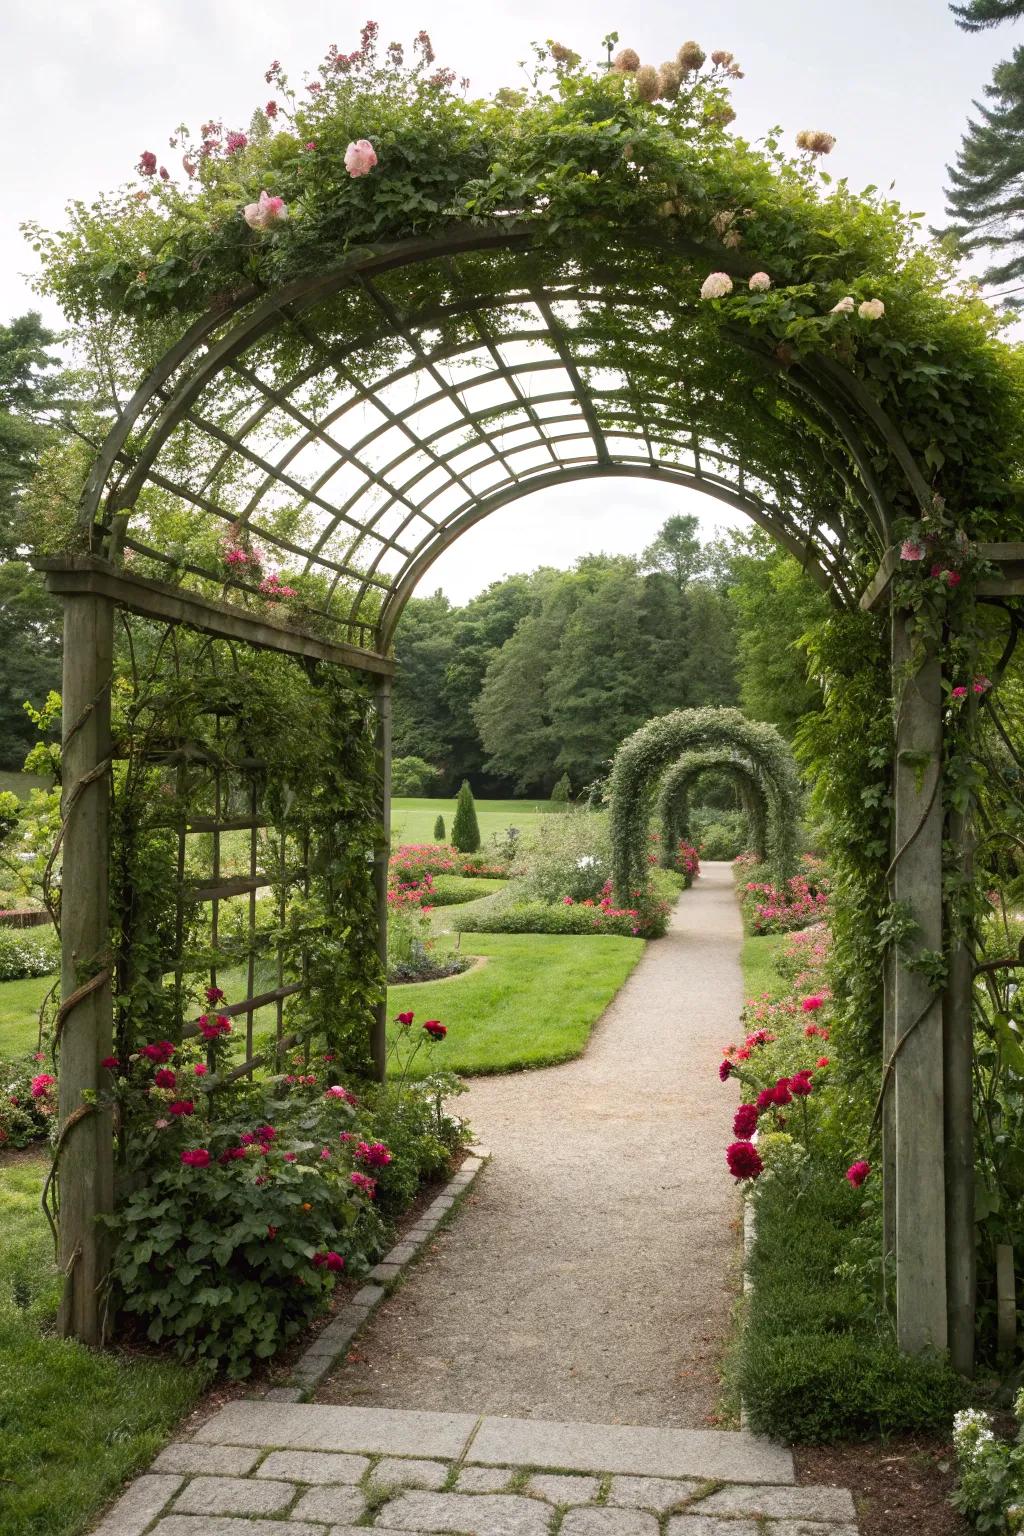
x=387, y=426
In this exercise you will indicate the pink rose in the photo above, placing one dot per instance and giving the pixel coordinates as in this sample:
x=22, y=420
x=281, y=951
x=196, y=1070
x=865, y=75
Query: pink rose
x=266, y=213
x=360, y=158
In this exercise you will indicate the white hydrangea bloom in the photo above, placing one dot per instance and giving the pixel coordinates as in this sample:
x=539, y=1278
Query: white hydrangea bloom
x=716, y=286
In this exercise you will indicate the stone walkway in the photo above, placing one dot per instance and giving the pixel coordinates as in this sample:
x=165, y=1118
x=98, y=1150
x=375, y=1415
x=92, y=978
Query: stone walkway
x=304, y=1469
x=547, y=1368
x=591, y=1273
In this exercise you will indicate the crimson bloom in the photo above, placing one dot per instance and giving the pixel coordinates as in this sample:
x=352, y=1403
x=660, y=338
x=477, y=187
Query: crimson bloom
x=147, y=163
x=374, y=1153
x=857, y=1173
x=110, y=1062
x=364, y=1184
x=810, y=1004
x=198, y=1157
x=744, y=1160
x=745, y=1122
x=41, y=1085
x=329, y=1260
x=800, y=1084
x=405, y=1019
x=164, y=1078
x=160, y=1051
x=181, y=1107
x=214, y=995
x=725, y=1070
x=435, y=1029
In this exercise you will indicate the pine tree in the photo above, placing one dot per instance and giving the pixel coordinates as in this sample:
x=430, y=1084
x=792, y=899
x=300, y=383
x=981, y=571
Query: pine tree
x=976, y=15
x=439, y=830
x=465, y=828
x=561, y=793
x=986, y=186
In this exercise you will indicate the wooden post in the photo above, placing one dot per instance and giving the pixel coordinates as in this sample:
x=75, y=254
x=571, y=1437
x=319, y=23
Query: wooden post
x=86, y=1168
x=899, y=657
x=378, y=1034
x=958, y=1029
x=917, y=1009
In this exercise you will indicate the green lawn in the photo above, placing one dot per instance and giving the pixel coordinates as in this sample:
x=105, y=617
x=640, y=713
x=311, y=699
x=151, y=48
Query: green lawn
x=758, y=961
x=20, y=1002
x=412, y=820
x=532, y=1003
x=73, y=1424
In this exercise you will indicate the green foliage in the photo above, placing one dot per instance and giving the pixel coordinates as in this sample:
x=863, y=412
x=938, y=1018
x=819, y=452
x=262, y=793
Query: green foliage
x=676, y=820
x=440, y=836
x=562, y=792
x=776, y=603
x=814, y=1367
x=412, y=776
x=643, y=757
x=456, y=890
x=720, y=834
x=28, y=952
x=647, y=918
x=465, y=828
x=570, y=856
x=976, y=15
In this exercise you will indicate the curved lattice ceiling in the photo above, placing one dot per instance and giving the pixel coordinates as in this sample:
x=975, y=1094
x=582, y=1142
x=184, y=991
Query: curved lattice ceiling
x=355, y=424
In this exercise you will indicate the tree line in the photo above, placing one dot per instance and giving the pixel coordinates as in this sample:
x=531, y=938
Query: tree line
x=543, y=674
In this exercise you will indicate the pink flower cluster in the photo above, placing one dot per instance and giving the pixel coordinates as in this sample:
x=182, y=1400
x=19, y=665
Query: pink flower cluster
x=374, y=1154
x=775, y=908
x=273, y=587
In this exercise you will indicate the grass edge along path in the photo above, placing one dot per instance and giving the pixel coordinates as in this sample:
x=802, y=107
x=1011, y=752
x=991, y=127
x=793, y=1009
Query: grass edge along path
x=533, y=1004
x=74, y=1423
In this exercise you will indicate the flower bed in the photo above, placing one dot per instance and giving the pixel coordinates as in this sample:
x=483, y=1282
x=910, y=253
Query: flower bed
x=817, y=1360
x=28, y=1101
x=412, y=863
x=250, y=1199
x=28, y=953
x=772, y=908
x=647, y=920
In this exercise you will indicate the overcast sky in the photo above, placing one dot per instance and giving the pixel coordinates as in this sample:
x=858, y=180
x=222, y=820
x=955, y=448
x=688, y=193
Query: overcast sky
x=89, y=84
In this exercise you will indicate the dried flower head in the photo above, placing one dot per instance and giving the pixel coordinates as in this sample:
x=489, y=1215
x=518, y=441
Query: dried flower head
x=690, y=56
x=721, y=113
x=646, y=78
x=626, y=61
x=563, y=55
x=722, y=57
x=815, y=141
x=670, y=78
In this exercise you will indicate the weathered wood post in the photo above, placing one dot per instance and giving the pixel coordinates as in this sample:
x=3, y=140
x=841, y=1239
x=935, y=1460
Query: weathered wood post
x=958, y=1027
x=378, y=1036
x=917, y=1024
x=85, y=1178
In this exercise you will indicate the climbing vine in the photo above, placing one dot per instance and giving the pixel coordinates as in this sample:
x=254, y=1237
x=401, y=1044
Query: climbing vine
x=673, y=797
x=643, y=757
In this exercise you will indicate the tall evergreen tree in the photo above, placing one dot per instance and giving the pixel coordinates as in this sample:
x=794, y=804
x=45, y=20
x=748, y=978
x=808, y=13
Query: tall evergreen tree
x=986, y=185
x=465, y=827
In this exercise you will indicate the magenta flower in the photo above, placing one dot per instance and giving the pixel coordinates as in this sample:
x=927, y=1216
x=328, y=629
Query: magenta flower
x=725, y=1070
x=364, y=1184
x=958, y=692
x=235, y=142
x=164, y=1078
x=330, y=1260
x=360, y=158
x=374, y=1153
x=198, y=1157
x=857, y=1173
x=181, y=1107
x=405, y=1019
x=110, y=1062
x=42, y=1084
x=811, y=1004
x=435, y=1029
x=159, y=1051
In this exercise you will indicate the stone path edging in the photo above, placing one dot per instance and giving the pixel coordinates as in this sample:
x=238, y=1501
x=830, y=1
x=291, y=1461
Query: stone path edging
x=329, y=1347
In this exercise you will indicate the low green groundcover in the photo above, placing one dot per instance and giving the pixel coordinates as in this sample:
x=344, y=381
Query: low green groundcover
x=817, y=1361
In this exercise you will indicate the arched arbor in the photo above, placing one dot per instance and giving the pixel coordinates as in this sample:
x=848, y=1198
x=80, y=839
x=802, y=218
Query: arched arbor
x=516, y=296
x=673, y=802
x=685, y=736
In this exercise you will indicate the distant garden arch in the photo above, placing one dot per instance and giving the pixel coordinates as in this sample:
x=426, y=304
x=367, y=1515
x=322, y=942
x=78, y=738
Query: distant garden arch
x=388, y=311
x=673, y=803
x=642, y=759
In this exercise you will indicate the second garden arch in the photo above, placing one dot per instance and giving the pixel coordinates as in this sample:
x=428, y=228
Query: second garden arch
x=673, y=798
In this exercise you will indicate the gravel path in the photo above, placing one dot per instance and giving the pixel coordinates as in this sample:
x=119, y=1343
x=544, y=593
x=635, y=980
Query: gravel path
x=590, y=1276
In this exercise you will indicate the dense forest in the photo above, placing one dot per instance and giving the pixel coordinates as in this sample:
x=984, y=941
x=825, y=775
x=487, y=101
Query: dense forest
x=543, y=674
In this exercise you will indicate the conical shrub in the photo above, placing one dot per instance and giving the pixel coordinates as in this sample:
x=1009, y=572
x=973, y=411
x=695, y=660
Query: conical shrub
x=465, y=827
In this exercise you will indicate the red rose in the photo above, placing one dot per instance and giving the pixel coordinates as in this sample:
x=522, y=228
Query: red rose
x=181, y=1107
x=165, y=1078
x=744, y=1160
x=435, y=1029
x=745, y=1122
x=197, y=1158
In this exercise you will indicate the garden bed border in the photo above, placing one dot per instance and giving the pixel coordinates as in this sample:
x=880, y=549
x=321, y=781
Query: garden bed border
x=329, y=1348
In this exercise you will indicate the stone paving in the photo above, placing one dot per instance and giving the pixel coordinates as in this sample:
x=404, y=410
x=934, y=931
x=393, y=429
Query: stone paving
x=305, y=1469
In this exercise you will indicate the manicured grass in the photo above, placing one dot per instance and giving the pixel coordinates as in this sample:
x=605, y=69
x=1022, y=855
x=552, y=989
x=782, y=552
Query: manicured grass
x=20, y=1002
x=532, y=1003
x=758, y=958
x=412, y=820
x=73, y=1423
x=457, y=890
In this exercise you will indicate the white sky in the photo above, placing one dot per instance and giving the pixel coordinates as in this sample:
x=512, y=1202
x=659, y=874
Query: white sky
x=89, y=84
